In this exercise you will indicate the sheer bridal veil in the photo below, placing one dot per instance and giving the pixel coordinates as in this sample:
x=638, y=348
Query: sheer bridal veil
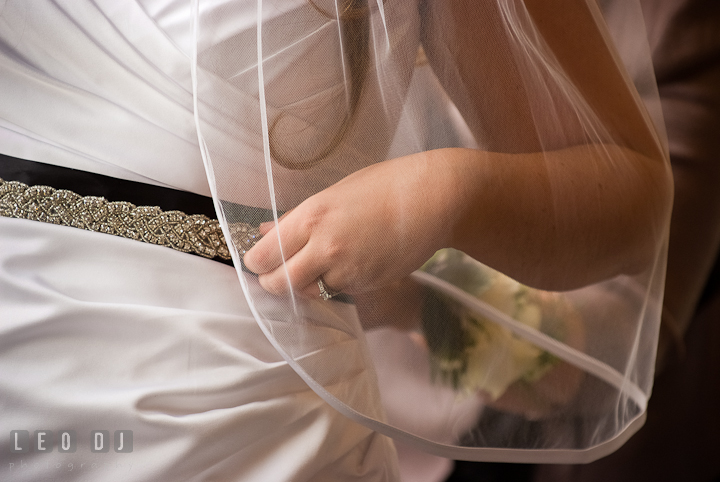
x=292, y=96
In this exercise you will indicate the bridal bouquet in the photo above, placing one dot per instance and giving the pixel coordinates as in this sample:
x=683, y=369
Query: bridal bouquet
x=472, y=353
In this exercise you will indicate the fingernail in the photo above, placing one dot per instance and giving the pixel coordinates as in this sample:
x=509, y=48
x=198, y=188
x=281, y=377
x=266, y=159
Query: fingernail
x=266, y=226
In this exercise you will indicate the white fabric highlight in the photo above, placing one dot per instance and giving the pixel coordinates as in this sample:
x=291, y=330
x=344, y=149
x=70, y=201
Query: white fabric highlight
x=105, y=333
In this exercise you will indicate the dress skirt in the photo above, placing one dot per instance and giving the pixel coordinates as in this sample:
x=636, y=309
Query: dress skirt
x=110, y=336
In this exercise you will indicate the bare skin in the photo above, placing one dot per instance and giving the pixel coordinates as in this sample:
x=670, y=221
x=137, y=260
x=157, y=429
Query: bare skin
x=606, y=228
x=554, y=213
x=536, y=216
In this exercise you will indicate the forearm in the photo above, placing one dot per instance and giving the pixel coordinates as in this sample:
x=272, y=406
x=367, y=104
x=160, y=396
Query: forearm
x=554, y=220
x=565, y=205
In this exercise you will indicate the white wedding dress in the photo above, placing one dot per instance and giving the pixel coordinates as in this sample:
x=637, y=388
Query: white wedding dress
x=103, y=333
x=264, y=103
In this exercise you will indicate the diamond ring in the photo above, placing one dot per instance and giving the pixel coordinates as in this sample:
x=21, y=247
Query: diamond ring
x=325, y=291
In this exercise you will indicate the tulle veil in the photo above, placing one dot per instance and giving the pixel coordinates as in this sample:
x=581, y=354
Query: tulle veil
x=284, y=109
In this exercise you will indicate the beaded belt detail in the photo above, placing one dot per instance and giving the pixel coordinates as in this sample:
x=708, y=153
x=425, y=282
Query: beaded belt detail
x=196, y=233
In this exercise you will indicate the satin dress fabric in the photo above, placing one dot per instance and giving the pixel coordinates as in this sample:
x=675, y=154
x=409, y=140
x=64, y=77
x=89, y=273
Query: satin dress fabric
x=109, y=334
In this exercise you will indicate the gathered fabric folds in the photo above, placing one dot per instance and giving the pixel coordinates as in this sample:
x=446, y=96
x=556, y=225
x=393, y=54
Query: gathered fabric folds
x=532, y=339
x=172, y=356
x=105, y=334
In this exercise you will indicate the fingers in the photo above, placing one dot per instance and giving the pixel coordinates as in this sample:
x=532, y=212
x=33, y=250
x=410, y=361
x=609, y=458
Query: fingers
x=267, y=226
x=327, y=291
x=301, y=261
x=298, y=265
x=266, y=255
x=301, y=272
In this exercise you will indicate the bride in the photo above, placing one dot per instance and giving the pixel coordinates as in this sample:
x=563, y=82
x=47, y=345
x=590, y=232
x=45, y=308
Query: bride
x=342, y=144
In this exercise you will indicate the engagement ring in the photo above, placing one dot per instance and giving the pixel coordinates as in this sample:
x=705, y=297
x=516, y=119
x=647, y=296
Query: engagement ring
x=325, y=291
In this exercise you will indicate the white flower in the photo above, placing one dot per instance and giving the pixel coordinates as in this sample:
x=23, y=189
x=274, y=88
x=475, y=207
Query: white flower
x=486, y=357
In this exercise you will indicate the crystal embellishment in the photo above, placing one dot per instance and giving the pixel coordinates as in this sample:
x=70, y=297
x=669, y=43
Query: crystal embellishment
x=194, y=233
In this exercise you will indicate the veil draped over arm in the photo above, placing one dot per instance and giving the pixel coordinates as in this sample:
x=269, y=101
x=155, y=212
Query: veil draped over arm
x=534, y=340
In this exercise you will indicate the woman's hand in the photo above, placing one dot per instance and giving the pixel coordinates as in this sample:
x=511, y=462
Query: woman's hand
x=366, y=232
x=536, y=217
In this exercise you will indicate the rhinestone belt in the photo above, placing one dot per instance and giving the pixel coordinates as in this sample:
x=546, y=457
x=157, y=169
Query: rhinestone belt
x=196, y=233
